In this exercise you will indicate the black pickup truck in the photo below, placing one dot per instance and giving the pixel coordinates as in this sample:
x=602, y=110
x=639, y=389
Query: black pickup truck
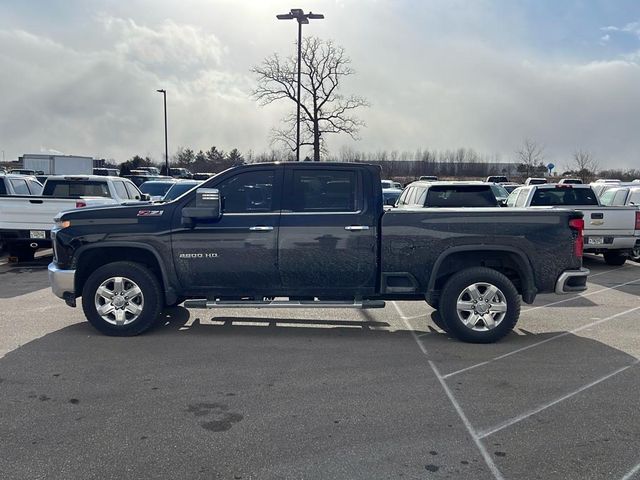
x=311, y=235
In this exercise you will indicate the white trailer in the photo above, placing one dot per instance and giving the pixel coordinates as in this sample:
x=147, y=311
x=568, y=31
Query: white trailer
x=58, y=164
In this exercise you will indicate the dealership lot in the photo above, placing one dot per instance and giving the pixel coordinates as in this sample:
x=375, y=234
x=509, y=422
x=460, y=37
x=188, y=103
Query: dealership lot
x=321, y=393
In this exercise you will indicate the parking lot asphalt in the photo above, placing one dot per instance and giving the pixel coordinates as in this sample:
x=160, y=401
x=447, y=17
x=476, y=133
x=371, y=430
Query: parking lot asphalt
x=261, y=394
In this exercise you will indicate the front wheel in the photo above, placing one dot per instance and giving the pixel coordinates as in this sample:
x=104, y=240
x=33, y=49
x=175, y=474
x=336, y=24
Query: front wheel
x=614, y=258
x=122, y=299
x=479, y=305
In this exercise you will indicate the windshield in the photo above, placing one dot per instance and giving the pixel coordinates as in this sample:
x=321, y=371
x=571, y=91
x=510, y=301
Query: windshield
x=563, y=196
x=156, y=189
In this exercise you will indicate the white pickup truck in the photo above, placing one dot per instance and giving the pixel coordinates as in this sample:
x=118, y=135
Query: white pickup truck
x=611, y=231
x=26, y=220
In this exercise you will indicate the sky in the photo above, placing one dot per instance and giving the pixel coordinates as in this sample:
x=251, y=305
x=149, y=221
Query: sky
x=80, y=76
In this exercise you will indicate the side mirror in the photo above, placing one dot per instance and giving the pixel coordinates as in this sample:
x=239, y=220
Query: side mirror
x=208, y=206
x=391, y=202
x=145, y=197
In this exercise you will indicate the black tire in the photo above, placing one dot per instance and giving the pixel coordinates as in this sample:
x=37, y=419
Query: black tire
x=151, y=291
x=436, y=317
x=635, y=254
x=22, y=253
x=458, y=284
x=615, y=258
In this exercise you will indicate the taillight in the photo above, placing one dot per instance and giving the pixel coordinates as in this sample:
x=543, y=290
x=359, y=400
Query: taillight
x=638, y=220
x=80, y=204
x=577, y=224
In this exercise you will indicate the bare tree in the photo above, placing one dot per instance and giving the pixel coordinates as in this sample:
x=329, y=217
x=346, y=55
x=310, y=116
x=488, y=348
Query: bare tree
x=529, y=156
x=324, y=109
x=584, y=165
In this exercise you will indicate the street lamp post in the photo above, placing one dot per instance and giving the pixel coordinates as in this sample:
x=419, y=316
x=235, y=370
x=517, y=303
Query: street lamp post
x=166, y=147
x=299, y=15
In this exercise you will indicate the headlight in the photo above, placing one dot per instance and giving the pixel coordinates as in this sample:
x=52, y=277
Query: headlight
x=63, y=223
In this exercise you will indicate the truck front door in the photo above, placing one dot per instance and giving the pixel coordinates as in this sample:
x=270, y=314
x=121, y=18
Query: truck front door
x=237, y=253
x=328, y=230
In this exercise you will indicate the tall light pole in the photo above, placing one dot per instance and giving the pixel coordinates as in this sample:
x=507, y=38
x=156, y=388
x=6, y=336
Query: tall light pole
x=301, y=17
x=166, y=147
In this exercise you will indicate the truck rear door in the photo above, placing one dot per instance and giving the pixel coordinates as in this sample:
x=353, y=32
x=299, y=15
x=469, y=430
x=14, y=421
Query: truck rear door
x=328, y=231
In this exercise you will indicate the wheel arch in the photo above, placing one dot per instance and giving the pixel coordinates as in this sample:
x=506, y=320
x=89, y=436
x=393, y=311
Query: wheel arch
x=510, y=261
x=91, y=257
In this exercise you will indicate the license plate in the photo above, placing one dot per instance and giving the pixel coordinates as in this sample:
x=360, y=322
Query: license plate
x=595, y=241
x=37, y=234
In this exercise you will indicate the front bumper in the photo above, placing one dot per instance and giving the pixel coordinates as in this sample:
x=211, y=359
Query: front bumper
x=571, y=281
x=62, y=282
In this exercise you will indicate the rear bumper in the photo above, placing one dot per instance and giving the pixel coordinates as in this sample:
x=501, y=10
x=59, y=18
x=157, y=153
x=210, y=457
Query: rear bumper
x=571, y=281
x=611, y=243
x=62, y=282
x=23, y=237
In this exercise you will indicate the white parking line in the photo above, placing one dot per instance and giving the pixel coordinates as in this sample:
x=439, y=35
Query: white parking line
x=524, y=416
x=472, y=432
x=631, y=472
x=564, y=334
x=476, y=439
x=580, y=296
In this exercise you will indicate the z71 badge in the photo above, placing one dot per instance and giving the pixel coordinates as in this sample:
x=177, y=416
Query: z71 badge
x=150, y=213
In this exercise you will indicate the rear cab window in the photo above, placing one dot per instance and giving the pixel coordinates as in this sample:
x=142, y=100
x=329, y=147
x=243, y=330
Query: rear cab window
x=566, y=195
x=3, y=188
x=76, y=188
x=453, y=196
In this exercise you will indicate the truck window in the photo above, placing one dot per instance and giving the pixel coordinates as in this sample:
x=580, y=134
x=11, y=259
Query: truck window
x=76, y=188
x=607, y=197
x=248, y=192
x=324, y=190
x=521, y=201
x=635, y=198
x=19, y=186
x=513, y=197
x=403, y=196
x=411, y=197
x=34, y=187
x=120, y=190
x=563, y=196
x=421, y=196
x=460, y=196
x=620, y=197
x=134, y=193
x=3, y=188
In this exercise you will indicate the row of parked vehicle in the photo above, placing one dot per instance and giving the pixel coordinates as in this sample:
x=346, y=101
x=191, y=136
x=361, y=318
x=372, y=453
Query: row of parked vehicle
x=610, y=207
x=28, y=207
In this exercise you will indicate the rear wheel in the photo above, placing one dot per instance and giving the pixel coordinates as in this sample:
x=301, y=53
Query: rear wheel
x=479, y=305
x=635, y=254
x=615, y=258
x=122, y=299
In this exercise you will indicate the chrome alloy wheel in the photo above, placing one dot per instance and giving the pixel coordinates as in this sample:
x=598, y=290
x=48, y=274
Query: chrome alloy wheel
x=481, y=306
x=119, y=301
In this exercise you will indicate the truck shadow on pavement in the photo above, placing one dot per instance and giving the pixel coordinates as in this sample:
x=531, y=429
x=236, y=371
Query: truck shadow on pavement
x=25, y=277
x=291, y=398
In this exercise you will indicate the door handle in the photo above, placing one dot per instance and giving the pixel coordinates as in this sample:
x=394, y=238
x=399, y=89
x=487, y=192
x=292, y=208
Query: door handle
x=356, y=228
x=261, y=228
x=597, y=216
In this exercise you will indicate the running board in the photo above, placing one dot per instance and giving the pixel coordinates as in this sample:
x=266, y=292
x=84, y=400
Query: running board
x=361, y=304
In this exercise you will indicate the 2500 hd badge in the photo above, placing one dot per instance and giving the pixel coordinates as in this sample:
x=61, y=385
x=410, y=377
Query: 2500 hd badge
x=197, y=255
